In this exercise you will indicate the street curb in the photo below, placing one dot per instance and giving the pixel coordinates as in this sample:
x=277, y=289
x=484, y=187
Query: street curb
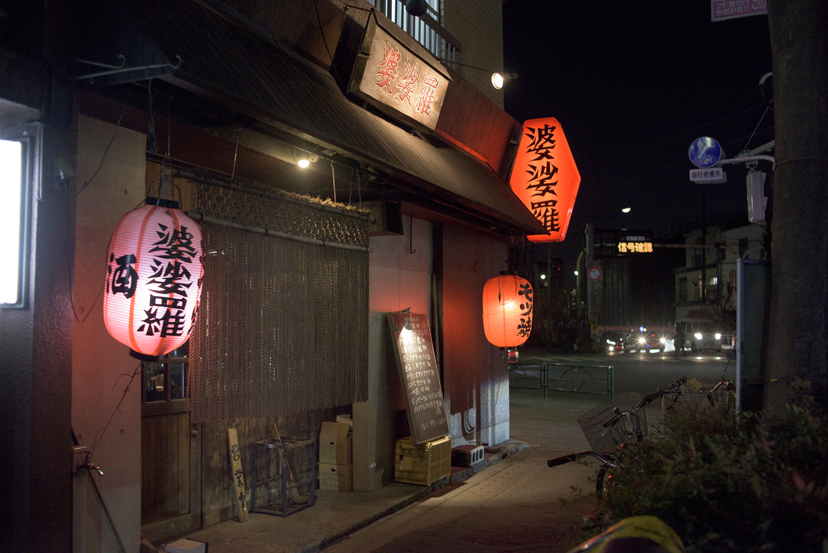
x=491, y=456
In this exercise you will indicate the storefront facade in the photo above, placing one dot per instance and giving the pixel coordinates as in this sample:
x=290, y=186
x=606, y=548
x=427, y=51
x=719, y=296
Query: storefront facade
x=301, y=266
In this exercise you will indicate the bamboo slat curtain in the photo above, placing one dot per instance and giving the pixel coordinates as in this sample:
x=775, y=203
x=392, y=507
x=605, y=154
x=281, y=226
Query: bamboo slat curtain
x=283, y=325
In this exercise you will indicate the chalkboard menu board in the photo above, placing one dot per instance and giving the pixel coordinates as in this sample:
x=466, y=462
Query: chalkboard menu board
x=419, y=376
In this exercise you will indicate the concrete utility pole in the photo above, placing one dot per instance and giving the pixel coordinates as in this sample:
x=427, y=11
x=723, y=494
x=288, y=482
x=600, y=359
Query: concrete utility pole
x=796, y=358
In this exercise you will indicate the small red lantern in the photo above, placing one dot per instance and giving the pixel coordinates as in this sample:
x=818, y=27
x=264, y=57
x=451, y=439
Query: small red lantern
x=153, y=279
x=507, y=310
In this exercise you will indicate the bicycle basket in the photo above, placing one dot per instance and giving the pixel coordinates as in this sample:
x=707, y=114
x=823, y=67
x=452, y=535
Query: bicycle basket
x=600, y=438
x=700, y=400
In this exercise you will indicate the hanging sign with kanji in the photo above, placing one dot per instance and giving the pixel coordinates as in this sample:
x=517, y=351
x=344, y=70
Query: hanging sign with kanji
x=394, y=79
x=545, y=177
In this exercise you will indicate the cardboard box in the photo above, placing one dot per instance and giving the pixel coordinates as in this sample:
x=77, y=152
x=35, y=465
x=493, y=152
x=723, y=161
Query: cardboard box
x=186, y=546
x=336, y=477
x=335, y=444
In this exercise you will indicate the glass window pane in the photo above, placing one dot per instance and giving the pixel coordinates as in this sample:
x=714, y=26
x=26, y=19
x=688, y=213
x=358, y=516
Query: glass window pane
x=182, y=351
x=155, y=382
x=11, y=171
x=178, y=380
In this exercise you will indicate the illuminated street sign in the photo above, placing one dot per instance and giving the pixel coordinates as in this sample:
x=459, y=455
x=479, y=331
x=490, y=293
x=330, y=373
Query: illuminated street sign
x=622, y=243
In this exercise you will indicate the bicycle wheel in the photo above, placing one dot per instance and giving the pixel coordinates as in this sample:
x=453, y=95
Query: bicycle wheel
x=601, y=483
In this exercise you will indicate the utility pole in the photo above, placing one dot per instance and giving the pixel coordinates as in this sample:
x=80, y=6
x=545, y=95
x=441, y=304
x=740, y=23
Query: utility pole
x=796, y=358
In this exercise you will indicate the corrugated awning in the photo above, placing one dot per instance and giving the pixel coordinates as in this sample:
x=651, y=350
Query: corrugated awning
x=233, y=64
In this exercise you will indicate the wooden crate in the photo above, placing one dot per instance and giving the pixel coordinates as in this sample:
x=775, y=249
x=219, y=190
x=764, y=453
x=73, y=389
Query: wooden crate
x=423, y=463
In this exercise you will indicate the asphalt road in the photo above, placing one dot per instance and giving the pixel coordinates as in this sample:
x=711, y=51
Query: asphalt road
x=642, y=372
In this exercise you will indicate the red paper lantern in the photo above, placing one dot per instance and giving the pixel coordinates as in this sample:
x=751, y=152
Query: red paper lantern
x=507, y=310
x=153, y=279
x=545, y=177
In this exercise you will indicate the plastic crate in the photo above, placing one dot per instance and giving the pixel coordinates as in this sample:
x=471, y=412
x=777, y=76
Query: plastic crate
x=424, y=463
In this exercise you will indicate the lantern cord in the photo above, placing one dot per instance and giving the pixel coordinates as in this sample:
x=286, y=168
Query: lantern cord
x=70, y=273
x=351, y=186
x=100, y=433
x=152, y=143
x=235, y=155
x=103, y=158
x=411, y=249
x=359, y=190
x=333, y=177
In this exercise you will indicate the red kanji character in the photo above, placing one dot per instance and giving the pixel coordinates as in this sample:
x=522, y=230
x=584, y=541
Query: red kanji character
x=426, y=97
x=409, y=82
x=388, y=68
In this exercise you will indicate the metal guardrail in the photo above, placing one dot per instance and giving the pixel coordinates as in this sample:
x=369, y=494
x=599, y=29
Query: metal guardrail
x=584, y=379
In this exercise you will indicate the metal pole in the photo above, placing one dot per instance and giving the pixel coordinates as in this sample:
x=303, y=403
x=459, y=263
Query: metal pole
x=590, y=285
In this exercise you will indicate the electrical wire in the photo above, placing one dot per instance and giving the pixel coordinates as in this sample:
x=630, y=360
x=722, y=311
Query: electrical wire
x=668, y=167
x=685, y=133
x=757, y=125
x=103, y=158
x=100, y=433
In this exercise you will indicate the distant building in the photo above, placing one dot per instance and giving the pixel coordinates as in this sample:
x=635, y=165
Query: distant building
x=706, y=285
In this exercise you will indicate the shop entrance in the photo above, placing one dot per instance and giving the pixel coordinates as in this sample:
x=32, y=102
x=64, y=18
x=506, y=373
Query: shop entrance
x=170, y=451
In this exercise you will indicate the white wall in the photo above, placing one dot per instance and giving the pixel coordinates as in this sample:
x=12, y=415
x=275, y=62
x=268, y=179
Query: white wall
x=478, y=26
x=398, y=279
x=101, y=367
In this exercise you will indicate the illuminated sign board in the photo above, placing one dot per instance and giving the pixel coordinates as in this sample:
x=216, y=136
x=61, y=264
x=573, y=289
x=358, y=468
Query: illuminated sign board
x=390, y=77
x=545, y=177
x=622, y=243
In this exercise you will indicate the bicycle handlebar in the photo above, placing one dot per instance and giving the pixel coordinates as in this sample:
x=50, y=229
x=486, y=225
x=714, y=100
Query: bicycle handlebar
x=644, y=401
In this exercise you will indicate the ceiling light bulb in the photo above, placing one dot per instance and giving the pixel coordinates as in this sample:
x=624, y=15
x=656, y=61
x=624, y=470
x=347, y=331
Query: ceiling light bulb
x=497, y=80
x=303, y=163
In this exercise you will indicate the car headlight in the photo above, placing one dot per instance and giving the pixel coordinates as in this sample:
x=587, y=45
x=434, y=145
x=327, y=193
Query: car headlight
x=698, y=335
x=663, y=340
x=718, y=335
x=642, y=340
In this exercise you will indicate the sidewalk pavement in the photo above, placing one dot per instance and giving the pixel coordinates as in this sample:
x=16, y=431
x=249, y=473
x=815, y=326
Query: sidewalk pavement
x=508, y=502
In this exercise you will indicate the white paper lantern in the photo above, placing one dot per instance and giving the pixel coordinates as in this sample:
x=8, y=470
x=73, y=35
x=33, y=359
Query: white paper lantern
x=153, y=279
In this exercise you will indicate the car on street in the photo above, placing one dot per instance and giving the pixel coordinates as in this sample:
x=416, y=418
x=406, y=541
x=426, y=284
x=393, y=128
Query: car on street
x=705, y=337
x=614, y=341
x=645, y=340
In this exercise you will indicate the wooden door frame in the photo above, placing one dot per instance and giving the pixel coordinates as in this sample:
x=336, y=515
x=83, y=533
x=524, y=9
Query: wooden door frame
x=193, y=521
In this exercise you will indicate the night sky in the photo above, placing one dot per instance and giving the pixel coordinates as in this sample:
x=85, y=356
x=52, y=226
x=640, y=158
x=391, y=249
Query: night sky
x=632, y=85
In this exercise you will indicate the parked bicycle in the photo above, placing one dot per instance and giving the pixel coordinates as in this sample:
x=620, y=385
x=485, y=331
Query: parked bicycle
x=610, y=426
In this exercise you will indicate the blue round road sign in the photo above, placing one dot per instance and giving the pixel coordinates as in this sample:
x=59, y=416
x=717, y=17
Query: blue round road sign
x=705, y=152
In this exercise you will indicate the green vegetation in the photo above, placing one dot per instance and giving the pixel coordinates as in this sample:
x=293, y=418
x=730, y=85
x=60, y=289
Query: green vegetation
x=726, y=483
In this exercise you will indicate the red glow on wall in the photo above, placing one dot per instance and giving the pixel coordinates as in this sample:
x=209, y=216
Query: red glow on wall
x=545, y=177
x=153, y=279
x=507, y=310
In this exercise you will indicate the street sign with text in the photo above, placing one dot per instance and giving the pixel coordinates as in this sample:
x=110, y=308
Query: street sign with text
x=729, y=9
x=715, y=175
